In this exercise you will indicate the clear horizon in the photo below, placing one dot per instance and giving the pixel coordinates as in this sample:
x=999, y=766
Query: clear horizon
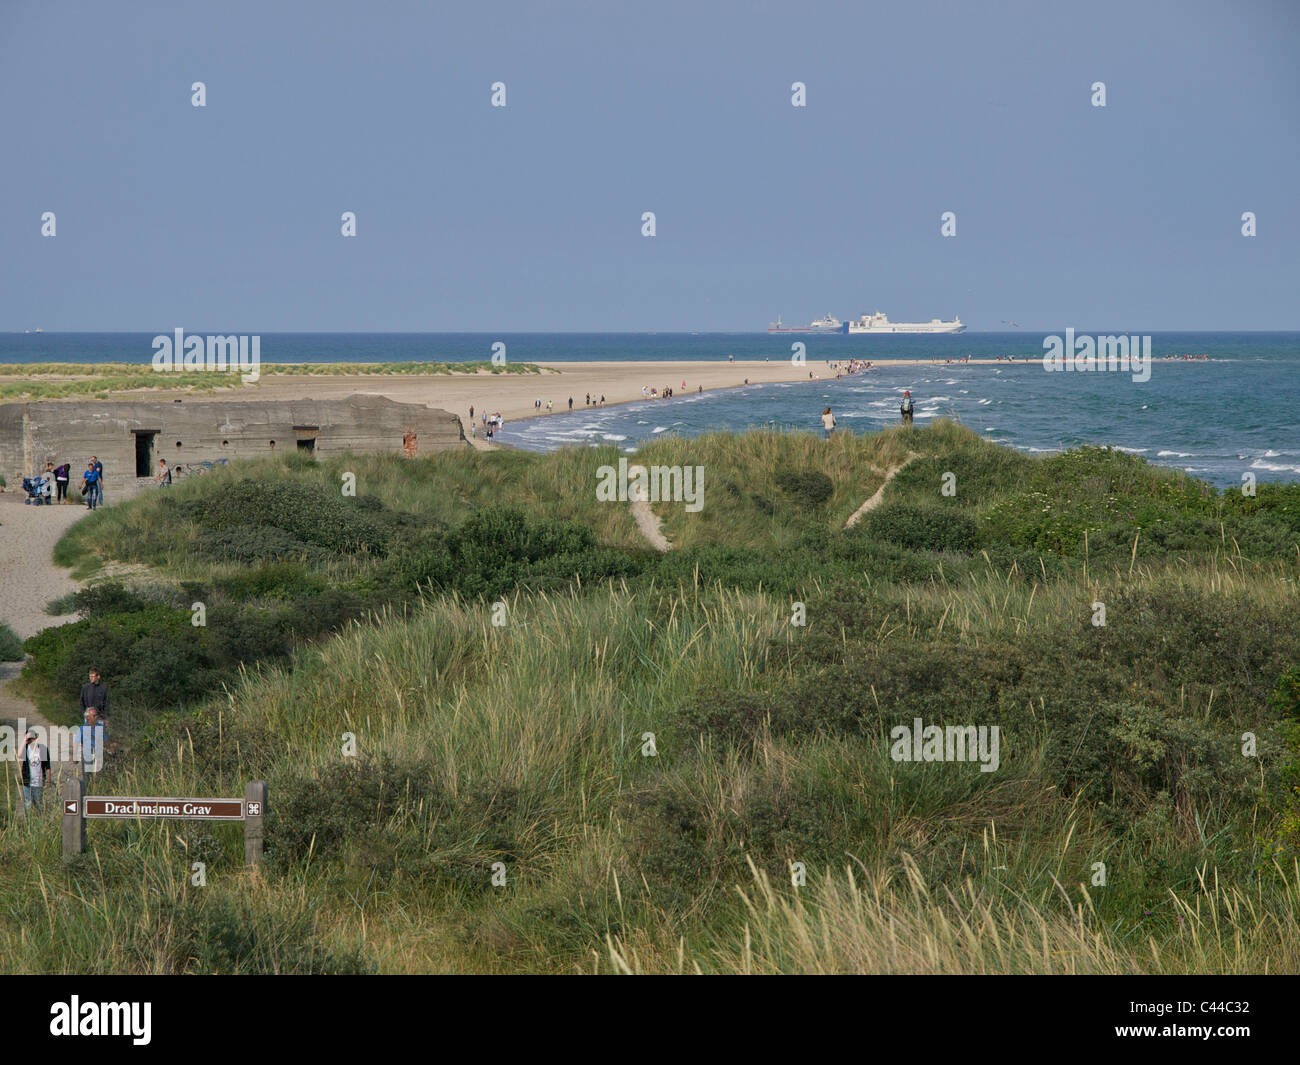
x=528, y=217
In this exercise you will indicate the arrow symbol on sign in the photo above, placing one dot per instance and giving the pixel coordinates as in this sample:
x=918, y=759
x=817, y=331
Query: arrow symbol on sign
x=70, y=807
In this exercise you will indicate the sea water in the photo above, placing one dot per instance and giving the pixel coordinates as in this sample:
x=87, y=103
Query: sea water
x=1236, y=411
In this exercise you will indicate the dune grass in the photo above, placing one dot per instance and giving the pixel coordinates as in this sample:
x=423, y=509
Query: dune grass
x=650, y=761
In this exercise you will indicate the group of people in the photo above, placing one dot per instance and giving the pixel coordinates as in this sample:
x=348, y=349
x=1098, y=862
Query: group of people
x=491, y=423
x=852, y=366
x=35, y=772
x=906, y=408
x=654, y=393
x=54, y=482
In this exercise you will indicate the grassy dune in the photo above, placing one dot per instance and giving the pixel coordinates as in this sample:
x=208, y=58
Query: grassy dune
x=646, y=744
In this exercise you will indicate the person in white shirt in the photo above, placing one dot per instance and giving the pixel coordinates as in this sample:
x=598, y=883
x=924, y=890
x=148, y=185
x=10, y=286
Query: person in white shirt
x=34, y=762
x=828, y=422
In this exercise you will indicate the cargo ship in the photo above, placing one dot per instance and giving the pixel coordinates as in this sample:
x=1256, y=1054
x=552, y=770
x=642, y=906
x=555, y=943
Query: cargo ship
x=828, y=324
x=880, y=323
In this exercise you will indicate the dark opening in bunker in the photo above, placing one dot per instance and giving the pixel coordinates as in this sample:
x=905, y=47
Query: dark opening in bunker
x=144, y=451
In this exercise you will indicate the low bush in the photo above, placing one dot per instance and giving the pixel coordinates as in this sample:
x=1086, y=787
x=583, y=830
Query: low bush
x=808, y=490
x=11, y=647
x=923, y=527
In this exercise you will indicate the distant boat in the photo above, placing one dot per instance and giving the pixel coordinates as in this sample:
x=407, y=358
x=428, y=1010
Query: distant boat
x=880, y=323
x=827, y=324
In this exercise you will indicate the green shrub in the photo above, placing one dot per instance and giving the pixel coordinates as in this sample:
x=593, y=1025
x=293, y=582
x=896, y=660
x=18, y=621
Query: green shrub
x=11, y=647
x=256, y=543
x=109, y=597
x=808, y=490
x=307, y=513
x=923, y=527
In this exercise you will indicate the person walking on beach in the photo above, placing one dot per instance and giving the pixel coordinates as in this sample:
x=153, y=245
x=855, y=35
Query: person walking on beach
x=62, y=474
x=99, y=480
x=570, y=403
x=828, y=422
x=34, y=770
x=471, y=412
x=905, y=408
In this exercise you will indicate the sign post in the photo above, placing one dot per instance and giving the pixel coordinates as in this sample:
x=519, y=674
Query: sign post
x=254, y=811
x=74, y=822
x=77, y=806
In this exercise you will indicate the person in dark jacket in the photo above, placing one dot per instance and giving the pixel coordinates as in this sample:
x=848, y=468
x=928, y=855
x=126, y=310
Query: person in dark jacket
x=95, y=694
x=34, y=770
x=62, y=474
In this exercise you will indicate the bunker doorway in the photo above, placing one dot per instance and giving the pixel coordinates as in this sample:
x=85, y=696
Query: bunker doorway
x=306, y=438
x=144, y=451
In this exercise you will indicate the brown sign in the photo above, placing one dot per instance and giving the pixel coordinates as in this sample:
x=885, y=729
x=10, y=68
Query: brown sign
x=151, y=808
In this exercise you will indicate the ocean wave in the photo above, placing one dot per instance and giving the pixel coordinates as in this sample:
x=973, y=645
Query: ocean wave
x=1131, y=450
x=1273, y=467
x=1176, y=454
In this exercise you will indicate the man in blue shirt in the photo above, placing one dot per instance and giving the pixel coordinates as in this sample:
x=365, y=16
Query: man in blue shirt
x=99, y=480
x=90, y=485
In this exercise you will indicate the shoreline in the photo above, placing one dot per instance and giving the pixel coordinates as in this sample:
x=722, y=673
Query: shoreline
x=515, y=396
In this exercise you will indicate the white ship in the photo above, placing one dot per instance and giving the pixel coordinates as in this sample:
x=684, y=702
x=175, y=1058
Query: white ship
x=880, y=323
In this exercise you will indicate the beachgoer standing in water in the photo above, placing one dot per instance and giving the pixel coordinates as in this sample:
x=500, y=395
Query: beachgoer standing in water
x=905, y=408
x=828, y=422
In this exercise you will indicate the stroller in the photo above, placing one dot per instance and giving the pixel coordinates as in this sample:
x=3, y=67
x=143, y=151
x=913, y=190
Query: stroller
x=39, y=490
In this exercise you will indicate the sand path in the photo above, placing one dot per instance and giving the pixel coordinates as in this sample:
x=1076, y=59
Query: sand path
x=28, y=576
x=646, y=519
x=28, y=580
x=878, y=495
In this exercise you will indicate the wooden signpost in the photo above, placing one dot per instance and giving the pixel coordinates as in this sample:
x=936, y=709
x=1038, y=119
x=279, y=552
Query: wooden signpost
x=78, y=806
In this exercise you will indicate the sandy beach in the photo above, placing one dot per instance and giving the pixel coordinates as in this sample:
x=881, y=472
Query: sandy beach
x=515, y=395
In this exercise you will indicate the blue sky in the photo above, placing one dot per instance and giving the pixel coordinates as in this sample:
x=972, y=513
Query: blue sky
x=528, y=217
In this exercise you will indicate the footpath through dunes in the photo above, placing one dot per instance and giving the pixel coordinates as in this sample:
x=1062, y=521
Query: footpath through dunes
x=28, y=580
x=28, y=576
x=646, y=519
x=878, y=496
